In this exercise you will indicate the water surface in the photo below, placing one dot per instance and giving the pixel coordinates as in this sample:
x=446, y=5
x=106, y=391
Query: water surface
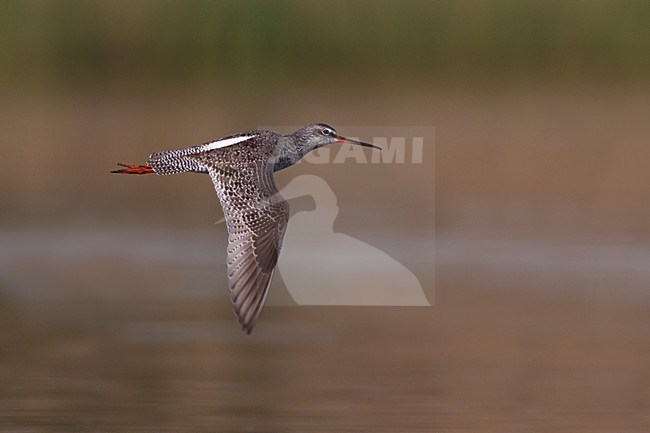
x=525, y=335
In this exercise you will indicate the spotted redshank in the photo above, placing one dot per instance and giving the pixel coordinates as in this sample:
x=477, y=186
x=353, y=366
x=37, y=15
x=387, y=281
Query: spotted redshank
x=241, y=167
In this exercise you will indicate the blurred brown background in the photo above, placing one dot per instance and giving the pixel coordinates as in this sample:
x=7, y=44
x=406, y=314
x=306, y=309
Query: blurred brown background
x=112, y=290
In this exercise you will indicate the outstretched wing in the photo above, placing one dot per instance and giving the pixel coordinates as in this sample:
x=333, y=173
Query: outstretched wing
x=256, y=216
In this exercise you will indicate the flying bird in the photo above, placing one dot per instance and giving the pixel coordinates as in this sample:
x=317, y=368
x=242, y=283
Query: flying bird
x=241, y=167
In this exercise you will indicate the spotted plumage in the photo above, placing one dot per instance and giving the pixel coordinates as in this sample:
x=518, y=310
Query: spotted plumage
x=241, y=167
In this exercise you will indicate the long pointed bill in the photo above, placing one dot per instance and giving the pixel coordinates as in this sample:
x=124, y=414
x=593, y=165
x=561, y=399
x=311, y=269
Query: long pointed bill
x=341, y=139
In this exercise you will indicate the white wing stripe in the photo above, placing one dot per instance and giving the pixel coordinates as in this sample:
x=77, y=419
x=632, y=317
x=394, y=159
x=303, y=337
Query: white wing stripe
x=225, y=143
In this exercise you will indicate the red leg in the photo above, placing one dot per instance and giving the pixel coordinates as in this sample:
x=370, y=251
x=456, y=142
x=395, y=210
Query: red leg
x=133, y=169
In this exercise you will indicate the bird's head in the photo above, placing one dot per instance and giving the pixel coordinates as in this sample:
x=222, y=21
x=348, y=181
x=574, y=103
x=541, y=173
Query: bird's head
x=317, y=135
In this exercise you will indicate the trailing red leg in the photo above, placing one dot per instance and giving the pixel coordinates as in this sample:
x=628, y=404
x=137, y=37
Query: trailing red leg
x=133, y=169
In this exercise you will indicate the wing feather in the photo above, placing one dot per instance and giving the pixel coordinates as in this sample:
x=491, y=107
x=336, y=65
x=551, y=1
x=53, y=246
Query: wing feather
x=256, y=217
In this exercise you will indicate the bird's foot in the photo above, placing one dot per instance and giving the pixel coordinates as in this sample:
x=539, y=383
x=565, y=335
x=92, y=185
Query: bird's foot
x=133, y=169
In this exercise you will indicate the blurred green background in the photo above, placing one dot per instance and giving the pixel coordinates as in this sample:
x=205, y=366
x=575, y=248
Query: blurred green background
x=535, y=187
x=535, y=102
x=252, y=46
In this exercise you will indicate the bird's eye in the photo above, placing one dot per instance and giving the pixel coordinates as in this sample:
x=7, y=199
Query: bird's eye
x=326, y=131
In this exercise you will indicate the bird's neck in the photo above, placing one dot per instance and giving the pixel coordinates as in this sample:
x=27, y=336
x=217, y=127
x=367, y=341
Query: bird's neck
x=287, y=152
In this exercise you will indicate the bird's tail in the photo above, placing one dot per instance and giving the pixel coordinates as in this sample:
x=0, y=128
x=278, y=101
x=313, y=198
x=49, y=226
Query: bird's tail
x=174, y=161
x=165, y=162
